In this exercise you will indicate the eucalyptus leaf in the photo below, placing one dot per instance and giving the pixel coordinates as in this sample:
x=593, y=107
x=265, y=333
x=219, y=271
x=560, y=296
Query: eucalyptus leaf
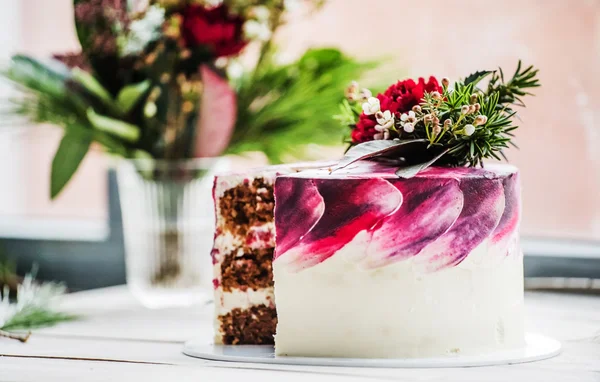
x=92, y=85
x=410, y=171
x=72, y=149
x=123, y=130
x=377, y=148
x=130, y=95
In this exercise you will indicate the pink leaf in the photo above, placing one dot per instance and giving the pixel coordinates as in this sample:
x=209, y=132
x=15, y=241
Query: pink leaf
x=217, y=117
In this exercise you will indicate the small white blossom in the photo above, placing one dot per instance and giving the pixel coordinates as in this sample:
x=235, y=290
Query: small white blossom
x=469, y=130
x=409, y=127
x=404, y=117
x=257, y=30
x=143, y=31
x=261, y=12
x=235, y=70
x=365, y=94
x=352, y=91
x=371, y=106
x=385, y=120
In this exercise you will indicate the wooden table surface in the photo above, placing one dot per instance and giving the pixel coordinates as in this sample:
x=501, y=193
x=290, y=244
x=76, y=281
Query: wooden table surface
x=118, y=340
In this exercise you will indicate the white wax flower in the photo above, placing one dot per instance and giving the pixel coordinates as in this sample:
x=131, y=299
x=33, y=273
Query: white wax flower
x=261, y=13
x=256, y=30
x=143, y=31
x=469, y=129
x=371, y=106
x=385, y=120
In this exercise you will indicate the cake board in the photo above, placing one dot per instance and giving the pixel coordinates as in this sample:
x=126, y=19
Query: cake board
x=538, y=347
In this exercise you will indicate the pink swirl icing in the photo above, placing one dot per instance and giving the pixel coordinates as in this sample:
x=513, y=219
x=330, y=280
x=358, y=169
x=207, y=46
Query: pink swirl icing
x=441, y=215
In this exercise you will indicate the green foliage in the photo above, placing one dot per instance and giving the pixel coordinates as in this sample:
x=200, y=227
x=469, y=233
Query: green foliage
x=72, y=149
x=76, y=101
x=36, y=317
x=282, y=108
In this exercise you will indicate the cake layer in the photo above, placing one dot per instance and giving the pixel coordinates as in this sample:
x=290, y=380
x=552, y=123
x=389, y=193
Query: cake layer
x=243, y=253
x=370, y=265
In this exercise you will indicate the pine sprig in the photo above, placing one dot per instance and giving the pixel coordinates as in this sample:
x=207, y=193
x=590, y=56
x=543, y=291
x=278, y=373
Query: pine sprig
x=36, y=317
x=32, y=308
x=510, y=92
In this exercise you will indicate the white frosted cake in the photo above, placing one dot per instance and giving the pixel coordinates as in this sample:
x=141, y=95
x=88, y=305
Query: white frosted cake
x=369, y=265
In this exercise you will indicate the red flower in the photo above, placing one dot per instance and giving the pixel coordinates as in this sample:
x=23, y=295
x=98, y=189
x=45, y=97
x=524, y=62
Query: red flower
x=213, y=27
x=398, y=98
x=365, y=129
x=402, y=96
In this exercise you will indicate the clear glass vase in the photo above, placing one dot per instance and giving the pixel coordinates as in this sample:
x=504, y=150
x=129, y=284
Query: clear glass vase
x=168, y=226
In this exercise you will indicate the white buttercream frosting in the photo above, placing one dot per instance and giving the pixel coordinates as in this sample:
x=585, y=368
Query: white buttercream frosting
x=339, y=309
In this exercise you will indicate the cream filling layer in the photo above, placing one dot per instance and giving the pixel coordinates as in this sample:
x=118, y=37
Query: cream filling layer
x=227, y=301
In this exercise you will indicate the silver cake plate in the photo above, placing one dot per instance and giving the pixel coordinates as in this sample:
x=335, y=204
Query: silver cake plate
x=537, y=348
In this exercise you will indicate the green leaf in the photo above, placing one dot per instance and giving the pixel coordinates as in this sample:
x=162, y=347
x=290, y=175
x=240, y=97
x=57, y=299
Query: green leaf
x=47, y=77
x=130, y=95
x=92, y=85
x=68, y=157
x=373, y=149
x=123, y=130
x=475, y=78
x=410, y=171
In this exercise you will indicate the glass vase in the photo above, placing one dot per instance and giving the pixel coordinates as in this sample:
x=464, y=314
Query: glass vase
x=168, y=227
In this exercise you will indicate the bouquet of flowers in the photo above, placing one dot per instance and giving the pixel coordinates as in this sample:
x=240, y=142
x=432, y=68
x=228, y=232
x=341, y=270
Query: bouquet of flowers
x=151, y=82
x=415, y=124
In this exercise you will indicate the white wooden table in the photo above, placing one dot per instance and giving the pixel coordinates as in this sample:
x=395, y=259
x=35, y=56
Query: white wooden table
x=118, y=340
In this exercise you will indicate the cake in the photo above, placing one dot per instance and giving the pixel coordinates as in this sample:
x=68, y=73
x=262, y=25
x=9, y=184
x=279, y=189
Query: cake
x=242, y=254
x=370, y=265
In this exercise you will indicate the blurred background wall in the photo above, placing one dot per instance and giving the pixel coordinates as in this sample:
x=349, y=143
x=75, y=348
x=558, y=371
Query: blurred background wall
x=559, y=136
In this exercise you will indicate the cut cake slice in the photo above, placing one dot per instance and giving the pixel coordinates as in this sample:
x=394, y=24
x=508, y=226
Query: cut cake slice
x=243, y=252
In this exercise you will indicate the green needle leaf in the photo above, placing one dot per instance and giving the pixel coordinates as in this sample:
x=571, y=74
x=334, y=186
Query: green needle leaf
x=68, y=157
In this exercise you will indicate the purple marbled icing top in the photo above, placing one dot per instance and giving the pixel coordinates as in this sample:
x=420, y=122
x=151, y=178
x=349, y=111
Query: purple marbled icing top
x=441, y=214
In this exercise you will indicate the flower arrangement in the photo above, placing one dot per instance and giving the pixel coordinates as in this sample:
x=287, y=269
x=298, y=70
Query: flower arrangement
x=155, y=80
x=416, y=124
